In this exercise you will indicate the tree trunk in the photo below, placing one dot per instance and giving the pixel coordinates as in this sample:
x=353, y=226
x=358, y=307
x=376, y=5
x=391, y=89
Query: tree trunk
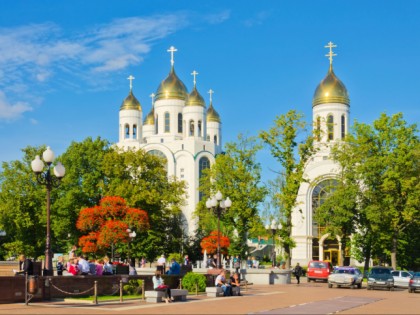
x=367, y=257
x=394, y=251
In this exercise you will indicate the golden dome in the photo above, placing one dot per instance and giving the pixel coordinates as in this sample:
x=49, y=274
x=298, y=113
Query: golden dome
x=130, y=102
x=212, y=115
x=171, y=88
x=150, y=118
x=195, y=99
x=331, y=90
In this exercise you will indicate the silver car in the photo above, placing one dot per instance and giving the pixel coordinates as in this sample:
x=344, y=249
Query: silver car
x=346, y=277
x=401, y=278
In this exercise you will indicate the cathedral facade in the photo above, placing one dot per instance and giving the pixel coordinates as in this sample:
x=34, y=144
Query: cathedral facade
x=330, y=115
x=180, y=128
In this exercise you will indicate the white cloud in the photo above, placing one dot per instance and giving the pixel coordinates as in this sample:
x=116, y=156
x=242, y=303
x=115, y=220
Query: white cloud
x=11, y=111
x=218, y=18
x=258, y=19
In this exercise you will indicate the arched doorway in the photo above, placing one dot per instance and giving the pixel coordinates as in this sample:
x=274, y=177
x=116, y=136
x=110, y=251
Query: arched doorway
x=324, y=247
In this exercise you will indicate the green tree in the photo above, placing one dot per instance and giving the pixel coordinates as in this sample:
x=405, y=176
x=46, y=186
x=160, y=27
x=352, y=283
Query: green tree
x=237, y=175
x=22, y=206
x=292, y=154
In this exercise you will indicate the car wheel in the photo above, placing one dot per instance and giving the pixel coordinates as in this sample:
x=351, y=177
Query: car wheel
x=309, y=279
x=410, y=291
x=330, y=285
x=353, y=286
x=359, y=285
x=369, y=287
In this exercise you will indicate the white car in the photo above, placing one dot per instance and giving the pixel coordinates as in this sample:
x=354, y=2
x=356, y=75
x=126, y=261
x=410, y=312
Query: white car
x=346, y=277
x=401, y=278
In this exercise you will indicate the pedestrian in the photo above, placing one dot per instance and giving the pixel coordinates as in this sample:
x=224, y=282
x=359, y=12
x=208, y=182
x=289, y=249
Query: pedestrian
x=298, y=271
x=60, y=265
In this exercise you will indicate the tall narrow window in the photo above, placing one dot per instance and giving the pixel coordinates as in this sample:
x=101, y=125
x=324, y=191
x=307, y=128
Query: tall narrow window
x=191, y=128
x=199, y=128
x=156, y=124
x=343, y=127
x=203, y=164
x=330, y=127
x=167, y=122
x=215, y=139
x=134, y=131
x=179, y=123
x=318, y=129
x=127, y=131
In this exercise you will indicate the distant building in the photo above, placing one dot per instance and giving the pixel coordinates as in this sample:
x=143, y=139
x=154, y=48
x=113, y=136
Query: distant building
x=331, y=115
x=180, y=128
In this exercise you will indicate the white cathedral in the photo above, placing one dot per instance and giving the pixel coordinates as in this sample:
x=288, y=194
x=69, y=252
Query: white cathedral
x=188, y=136
x=330, y=115
x=179, y=128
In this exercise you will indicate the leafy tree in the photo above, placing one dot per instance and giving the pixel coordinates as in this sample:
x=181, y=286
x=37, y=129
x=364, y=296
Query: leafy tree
x=106, y=225
x=209, y=243
x=292, y=154
x=237, y=175
x=22, y=207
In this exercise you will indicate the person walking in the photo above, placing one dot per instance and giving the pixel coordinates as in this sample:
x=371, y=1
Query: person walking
x=298, y=271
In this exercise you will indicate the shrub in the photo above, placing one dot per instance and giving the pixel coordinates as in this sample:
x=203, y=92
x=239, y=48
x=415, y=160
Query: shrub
x=191, y=280
x=133, y=287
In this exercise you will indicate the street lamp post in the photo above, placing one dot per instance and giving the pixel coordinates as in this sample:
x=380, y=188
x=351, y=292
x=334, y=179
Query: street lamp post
x=218, y=205
x=273, y=227
x=131, y=235
x=49, y=181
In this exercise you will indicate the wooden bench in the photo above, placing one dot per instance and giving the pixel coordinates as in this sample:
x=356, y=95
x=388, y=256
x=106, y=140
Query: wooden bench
x=218, y=291
x=156, y=296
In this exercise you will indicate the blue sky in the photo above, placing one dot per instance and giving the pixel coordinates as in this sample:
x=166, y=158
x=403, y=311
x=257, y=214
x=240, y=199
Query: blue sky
x=64, y=64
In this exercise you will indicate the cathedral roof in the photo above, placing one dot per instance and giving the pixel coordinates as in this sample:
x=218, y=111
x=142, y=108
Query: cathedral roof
x=212, y=115
x=171, y=88
x=331, y=90
x=195, y=99
x=130, y=102
x=150, y=118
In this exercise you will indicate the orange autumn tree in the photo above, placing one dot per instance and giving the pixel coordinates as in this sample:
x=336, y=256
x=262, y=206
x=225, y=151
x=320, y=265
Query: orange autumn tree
x=106, y=225
x=209, y=243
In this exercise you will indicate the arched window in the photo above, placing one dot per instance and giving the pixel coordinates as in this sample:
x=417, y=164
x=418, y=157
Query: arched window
x=318, y=129
x=127, y=131
x=199, y=128
x=134, y=131
x=167, y=122
x=330, y=127
x=161, y=155
x=343, y=127
x=191, y=128
x=203, y=164
x=320, y=193
x=156, y=124
x=215, y=139
x=179, y=123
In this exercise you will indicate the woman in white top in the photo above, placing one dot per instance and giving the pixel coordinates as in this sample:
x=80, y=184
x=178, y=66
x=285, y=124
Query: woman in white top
x=158, y=285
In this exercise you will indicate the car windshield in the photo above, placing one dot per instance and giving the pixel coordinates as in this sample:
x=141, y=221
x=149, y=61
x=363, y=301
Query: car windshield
x=348, y=271
x=380, y=271
x=417, y=274
x=317, y=264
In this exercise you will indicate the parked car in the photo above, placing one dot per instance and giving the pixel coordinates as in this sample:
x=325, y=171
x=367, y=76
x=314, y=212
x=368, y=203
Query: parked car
x=401, y=278
x=380, y=277
x=318, y=270
x=346, y=277
x=414, y=283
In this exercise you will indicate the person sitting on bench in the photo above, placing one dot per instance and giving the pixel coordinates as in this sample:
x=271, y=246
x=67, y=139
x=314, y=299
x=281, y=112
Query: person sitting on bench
x=158, y=285
x=221, y=282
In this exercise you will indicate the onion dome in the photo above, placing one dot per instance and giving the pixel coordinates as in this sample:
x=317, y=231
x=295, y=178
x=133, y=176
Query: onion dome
x=212, y=115
x=331, y=90
x=130, y=102
x=195, y=99
x=171, y=88
x=150, y=118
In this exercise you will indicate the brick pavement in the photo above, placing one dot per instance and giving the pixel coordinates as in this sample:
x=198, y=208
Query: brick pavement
x=314, y=298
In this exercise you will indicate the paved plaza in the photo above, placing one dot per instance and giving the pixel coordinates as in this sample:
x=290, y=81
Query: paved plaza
x=306, y=298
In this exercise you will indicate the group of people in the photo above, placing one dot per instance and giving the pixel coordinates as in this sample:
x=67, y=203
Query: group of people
x=80, y=266
x=228, y=285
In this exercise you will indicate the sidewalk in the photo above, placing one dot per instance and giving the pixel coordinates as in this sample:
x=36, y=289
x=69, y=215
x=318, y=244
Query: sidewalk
x=306, y=298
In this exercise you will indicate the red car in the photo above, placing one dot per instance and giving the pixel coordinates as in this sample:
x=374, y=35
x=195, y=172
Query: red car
x=318, y=270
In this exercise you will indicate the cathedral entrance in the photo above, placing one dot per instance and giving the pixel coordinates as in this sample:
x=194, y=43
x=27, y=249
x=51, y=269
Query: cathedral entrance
x=333, y=256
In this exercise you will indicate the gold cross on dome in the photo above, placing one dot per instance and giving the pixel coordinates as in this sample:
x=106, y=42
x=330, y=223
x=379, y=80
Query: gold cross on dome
x=153, y=97
x=330, y=55
x=211, y=95
x=171, y=50
x=194, y=74
x=131, y=78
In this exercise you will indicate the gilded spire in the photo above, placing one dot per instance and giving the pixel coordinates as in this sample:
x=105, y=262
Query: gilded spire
x=331, y=54
x=194, y=98
x=194, y=74
x=211, y=95
x=172, y=50
x=212, y=115
x=153, y=98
